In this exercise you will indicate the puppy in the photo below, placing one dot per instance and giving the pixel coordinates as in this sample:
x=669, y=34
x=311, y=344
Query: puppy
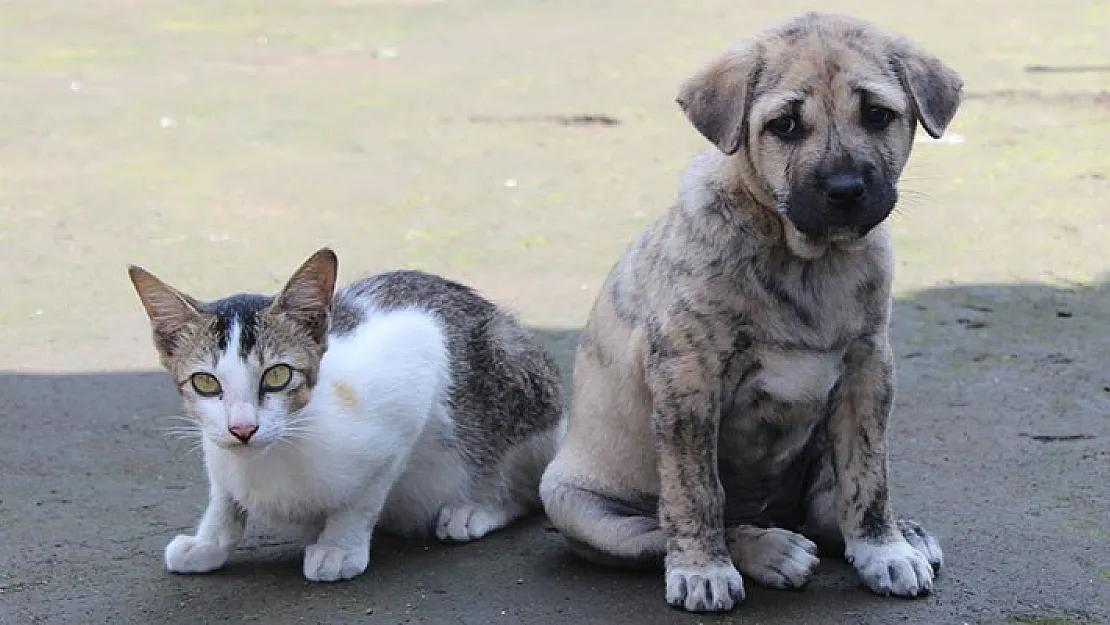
x=734, y=380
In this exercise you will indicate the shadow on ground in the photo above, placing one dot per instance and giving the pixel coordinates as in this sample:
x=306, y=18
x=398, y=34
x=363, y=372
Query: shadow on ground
x=1000, y=444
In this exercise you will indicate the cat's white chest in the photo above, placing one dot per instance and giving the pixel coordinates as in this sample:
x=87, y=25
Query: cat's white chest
x=286, y=486
x=375, y=426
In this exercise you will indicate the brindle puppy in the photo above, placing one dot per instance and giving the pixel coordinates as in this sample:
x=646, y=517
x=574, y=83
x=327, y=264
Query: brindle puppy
x=735, y=378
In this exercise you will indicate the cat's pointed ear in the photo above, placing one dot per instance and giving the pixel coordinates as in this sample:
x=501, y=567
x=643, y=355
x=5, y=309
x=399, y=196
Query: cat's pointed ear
x=307, y=296
x=170, y=311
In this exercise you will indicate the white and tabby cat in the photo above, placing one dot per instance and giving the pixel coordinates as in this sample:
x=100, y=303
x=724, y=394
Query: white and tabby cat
x=404, y=401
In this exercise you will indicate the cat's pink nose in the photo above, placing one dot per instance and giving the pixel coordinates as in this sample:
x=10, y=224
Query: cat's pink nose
x=243, y=432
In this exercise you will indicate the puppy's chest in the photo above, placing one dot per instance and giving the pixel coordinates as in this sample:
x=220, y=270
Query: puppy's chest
x=813, y=307
x=780, y=375
x=795, y=376
x=772, y=401
x=790, y=348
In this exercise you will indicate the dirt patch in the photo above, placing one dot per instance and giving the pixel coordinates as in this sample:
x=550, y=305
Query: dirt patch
x=1088, y=98
x=519, y=146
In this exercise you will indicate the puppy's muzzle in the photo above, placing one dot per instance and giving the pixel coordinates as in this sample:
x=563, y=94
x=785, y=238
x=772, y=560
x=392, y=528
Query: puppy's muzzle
x=845, y=203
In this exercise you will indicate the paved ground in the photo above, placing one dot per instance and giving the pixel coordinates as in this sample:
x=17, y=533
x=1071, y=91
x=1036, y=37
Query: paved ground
x=219, y=143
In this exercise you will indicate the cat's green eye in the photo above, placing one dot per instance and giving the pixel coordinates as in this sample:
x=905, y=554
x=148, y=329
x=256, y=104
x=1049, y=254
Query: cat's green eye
x=205, y=384
x=276, y=378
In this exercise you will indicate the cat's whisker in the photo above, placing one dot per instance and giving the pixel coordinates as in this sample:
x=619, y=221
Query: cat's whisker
x=180, y=428
x=298, y=429
x=183, y=435
x=290, y=444
x=299, y=425
x=191, y=427
x=175, y=418
x=192, y=450
x=272, y=446
x=295, y=443
x=175, y=425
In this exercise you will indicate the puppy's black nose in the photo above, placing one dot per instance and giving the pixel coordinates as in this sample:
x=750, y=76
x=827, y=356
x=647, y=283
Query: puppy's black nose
x=844, y=188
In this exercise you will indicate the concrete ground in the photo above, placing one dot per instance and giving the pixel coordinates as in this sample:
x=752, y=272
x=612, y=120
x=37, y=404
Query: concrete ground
x=219, y=143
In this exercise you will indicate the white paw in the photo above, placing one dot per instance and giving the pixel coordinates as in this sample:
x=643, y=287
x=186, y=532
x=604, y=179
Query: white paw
x=324, y=563
x=714, y=588
x=891, y=568
x=464, y=522
x=923, y=541
x=189, y=554
x=777, y=558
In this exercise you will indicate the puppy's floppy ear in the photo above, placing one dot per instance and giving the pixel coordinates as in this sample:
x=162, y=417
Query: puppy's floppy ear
x=718, y=98
x=934, y=88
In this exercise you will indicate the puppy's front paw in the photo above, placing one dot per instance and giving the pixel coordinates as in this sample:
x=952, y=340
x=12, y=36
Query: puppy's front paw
x=189, y=554
x=923, y=541
x=712, y=588
x=891, y=568
x=325, y=563
x=774, y=557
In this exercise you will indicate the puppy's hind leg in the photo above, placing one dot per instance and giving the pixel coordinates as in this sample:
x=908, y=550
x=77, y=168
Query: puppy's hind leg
x=773, y=557
x=601, y=529
x=822, y=524
x=613, y=533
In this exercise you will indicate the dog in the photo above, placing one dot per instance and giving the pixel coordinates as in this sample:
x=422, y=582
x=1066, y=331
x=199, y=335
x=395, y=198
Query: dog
x=733, y=383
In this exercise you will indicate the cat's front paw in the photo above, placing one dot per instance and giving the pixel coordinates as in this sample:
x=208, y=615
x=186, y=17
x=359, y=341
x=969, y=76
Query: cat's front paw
x=892, y=568
x=466, y=522
x=326, y=563
x=189, y=554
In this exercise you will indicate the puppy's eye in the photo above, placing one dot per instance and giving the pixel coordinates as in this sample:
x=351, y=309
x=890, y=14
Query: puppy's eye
x=876, y=118
x=276, y=378
x=205, y=384
x=786, y=127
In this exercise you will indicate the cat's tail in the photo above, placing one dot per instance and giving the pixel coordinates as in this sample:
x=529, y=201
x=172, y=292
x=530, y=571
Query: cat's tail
x=523, y=465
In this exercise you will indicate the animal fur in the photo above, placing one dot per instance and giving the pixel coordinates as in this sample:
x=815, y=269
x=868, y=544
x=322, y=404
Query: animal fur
x=412, y=404
x=735, y=378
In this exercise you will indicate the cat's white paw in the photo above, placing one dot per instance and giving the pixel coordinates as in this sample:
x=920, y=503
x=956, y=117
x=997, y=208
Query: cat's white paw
x=464, y=522
x=189, y=554
x=776, y=558
x=891, y=568
x=325, y=563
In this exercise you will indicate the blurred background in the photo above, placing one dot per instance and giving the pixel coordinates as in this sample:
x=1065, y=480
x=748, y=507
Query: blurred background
x=518, y=145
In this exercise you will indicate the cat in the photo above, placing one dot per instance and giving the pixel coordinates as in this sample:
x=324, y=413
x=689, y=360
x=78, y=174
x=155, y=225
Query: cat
x=404, y=401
